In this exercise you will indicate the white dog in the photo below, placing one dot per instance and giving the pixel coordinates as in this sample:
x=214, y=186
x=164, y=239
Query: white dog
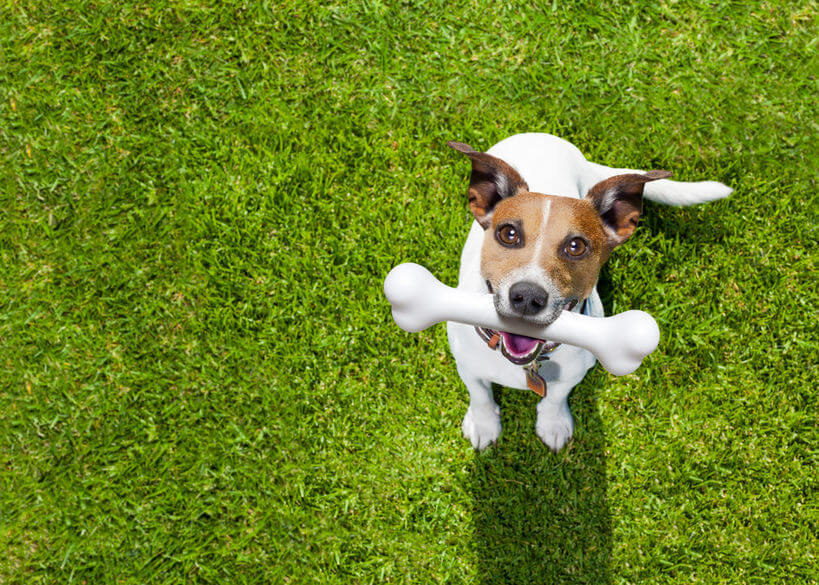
x=546, y=220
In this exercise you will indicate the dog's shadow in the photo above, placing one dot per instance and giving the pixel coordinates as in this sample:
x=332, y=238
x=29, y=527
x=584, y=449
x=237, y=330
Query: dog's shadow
x=541, y=517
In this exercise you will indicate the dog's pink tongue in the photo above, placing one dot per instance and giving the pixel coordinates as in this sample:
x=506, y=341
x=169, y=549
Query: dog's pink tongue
x=519, y=344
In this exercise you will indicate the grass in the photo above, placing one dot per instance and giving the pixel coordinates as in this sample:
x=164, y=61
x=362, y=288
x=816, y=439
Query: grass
x=201, y=381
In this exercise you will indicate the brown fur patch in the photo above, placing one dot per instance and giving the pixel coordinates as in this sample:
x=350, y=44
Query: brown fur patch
x=498, y=260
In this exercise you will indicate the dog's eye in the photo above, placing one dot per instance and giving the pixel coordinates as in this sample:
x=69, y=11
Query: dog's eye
x=576, y=247
x=508, y=235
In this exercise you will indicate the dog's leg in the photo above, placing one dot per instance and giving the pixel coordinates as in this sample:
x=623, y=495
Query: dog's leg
x=482, y=425
x=554, y=420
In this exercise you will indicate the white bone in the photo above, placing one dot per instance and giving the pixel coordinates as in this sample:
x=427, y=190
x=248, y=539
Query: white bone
x=419, y=300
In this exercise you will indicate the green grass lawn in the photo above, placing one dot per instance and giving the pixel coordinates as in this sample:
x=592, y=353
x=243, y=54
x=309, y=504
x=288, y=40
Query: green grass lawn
x=201, y=382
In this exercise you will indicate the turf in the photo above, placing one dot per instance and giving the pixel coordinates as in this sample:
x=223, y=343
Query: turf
x=201, y=382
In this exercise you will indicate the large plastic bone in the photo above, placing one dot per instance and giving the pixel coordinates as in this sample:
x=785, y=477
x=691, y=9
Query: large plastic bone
x=419, y=300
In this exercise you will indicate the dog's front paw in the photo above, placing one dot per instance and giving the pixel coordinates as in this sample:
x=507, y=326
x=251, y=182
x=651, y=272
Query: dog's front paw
x=554, y=424
x=482, y=425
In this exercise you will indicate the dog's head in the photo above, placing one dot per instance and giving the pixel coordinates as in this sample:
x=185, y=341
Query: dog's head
x=543, y=253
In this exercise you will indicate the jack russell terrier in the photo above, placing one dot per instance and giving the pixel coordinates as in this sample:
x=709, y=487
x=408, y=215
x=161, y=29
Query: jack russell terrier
x=546, y=220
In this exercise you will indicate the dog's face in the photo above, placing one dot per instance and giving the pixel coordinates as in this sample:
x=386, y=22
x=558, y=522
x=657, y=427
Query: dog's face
x=543, y=253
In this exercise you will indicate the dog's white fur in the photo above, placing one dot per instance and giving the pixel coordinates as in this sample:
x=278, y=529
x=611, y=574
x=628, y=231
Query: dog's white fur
x=552, y=166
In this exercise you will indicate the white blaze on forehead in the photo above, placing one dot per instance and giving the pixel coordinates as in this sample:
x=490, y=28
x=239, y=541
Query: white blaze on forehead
x=541, y=232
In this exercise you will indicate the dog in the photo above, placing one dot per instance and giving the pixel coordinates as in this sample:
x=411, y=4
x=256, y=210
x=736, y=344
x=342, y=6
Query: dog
x=546, y=220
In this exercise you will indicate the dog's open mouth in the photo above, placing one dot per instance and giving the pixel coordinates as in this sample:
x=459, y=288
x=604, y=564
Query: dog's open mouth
x=520, y=349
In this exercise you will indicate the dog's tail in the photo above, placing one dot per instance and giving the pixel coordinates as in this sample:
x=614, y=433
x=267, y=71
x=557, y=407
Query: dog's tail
x=666, y=191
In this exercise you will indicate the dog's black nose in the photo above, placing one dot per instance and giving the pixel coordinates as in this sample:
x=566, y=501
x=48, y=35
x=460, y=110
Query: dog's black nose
x=527, y=298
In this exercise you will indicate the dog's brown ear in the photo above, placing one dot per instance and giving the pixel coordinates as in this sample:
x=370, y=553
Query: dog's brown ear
x=619, y=201
x=491, y=180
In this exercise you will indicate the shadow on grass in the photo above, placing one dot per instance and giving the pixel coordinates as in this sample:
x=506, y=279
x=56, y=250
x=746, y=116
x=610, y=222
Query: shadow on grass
x=542, y=517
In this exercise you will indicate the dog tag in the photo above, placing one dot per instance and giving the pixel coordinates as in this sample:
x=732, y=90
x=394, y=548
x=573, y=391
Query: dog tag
x=534, y=380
